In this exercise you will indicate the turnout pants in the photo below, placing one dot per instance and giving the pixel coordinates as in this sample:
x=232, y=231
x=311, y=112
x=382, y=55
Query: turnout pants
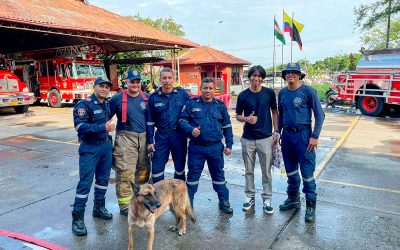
x=94, y=161
x=197, y=156
x=263, y=148
x=294, y=152
x=131, y=164
x=166, y=142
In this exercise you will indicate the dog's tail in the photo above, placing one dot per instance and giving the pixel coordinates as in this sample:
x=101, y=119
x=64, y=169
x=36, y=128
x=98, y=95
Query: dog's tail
x=189, y=210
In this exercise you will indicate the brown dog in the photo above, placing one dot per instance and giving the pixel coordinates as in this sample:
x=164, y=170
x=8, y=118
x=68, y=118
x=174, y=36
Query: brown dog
x=150, y=201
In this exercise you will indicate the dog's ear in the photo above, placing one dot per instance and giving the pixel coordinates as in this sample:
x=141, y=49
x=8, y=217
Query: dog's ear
x=135, y=189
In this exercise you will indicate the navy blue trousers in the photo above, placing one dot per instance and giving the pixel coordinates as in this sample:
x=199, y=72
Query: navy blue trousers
x=94, y=161
x=173, y=142
x=295, y=154
x=197, y=157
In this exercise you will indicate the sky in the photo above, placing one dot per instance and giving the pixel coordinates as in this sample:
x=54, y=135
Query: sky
x=246, y=30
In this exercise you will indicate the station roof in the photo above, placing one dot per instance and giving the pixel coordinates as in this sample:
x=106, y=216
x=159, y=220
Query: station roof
x=207, y=55
x=28, y=25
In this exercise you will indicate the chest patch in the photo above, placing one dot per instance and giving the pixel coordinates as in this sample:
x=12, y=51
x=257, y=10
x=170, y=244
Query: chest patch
x=196, y=109
x=99, y=111
x=81, y=112
x=297, y=102
x=143, y=105
x=159, y=104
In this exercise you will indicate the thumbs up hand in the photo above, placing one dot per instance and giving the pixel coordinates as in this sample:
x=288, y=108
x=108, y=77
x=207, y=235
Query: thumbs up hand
x=196, y=132
x=252, y=119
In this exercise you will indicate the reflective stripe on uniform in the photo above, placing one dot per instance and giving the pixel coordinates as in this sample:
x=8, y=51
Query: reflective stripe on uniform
x=100, y=187
x=227, y=126
x=219, y=182
x=82, y=196
x=182, y=120
x=180, y=173
x=192, y=182
x=124, y=200
x=158, y=175
x=78, y=126
x=309, y=179
x=292, y=173
x=150, y=123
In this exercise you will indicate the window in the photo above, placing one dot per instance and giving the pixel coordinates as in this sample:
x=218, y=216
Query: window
x=43, y=69
x=50, y=65
x=61, y=71
x=203, y=75
x=71, y=70
x=218, y=75
x=235, y=75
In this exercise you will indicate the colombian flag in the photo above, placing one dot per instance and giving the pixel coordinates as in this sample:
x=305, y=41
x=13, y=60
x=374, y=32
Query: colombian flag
x=288, y=22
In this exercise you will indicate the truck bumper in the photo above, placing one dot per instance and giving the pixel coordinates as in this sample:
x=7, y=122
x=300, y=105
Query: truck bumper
x=12, y=100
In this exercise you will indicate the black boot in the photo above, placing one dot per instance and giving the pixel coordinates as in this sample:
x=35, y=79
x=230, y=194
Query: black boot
x=100, y=211
x=225, y=207
x=293, y=201
x=310, y=211
x=78, y=223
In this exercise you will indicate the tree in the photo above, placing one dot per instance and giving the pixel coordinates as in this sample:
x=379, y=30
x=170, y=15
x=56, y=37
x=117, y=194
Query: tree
x=375, y=38
x=368, y=16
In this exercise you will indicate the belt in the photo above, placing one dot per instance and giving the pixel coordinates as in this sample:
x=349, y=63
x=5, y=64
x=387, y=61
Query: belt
x=296, y=129
x=205, y=144
x=167, y=130
x=96, y=142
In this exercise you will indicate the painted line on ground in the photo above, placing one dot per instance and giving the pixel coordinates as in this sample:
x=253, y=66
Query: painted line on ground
x=361, y=186
x=42, y=139
x=30, y=239
x=329, y=156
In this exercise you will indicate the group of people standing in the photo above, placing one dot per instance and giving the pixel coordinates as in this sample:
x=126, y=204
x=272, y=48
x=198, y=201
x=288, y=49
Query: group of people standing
x=162, y=123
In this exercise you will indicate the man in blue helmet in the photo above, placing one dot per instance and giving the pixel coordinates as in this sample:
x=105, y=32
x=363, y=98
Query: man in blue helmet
x=165, y=106
x=296, y=103
x=205, y=120
x=93, y=124
x=130, y=155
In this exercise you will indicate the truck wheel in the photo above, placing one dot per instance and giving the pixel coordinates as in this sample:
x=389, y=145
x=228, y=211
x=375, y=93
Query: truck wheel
x=21, y=109
x=329, y=101
x=370, y=105
x=54, y=98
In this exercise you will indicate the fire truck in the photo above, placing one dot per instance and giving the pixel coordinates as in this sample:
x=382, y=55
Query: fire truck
x=13, y=92
x=375, y=85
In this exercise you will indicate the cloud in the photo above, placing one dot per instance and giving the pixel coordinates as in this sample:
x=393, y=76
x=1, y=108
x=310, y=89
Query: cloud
x=173, y=2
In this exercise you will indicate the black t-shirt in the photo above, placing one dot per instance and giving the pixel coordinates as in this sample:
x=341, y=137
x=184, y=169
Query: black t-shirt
x=261, y=103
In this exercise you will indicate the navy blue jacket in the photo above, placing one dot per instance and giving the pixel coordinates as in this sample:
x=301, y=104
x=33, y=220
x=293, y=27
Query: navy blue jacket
x=164, y=111
x=90, y=117
x=213, y=119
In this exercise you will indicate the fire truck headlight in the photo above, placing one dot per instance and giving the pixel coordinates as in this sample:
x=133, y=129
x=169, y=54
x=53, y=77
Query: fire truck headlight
x=78, y=86
x=25, y=90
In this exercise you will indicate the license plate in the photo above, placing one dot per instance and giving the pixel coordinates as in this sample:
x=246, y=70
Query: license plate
x=13, y=103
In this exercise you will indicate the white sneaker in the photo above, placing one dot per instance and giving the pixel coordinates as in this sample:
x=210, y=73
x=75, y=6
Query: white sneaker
x=248, y=203
x=268, y=209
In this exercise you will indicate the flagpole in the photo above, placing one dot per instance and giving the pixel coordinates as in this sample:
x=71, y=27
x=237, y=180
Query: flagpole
x=291, y=40
x=283, y=26
x=273, y=59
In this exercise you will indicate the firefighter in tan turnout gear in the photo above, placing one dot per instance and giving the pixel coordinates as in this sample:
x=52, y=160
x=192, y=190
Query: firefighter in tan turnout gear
x=130, y=150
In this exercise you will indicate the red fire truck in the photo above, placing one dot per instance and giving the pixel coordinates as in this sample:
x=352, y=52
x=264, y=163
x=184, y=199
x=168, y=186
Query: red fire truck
x=60, y=79
x=375, y=86
x=14, y=93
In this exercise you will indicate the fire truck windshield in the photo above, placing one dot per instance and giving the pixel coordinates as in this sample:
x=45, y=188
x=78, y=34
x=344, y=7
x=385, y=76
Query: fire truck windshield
x=81, y=70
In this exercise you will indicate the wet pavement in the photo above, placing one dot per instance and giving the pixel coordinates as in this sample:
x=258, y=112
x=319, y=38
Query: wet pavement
x=358, y=192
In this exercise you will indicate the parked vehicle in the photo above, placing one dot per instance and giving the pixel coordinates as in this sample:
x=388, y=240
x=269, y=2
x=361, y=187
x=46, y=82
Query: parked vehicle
x=14, y=93
x=375, y=86
x=332, y=99
x=60, y=80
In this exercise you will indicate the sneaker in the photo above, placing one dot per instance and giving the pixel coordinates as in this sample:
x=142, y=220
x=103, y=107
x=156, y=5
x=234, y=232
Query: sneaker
x=268, y=209
x=248, y=203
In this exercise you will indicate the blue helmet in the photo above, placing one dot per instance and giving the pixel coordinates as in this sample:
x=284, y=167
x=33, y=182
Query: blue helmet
x=100, y=80
x=133, y=74
x=293, y=67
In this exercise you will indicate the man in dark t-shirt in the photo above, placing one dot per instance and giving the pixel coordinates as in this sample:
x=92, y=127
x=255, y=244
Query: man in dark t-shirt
x=254, y=108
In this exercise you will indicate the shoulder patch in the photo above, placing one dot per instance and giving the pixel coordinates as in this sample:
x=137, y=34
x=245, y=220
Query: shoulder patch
x=88, y=99
x=81, y=112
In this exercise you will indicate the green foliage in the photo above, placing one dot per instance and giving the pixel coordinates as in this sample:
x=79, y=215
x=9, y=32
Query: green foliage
x=321, y=89
x=369, y=15
x=376, y=37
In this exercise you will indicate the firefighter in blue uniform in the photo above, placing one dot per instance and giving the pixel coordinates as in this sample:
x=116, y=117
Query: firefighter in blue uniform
x=91, y=121
x=297, y=103
x=205, y=120
x=165, y=106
